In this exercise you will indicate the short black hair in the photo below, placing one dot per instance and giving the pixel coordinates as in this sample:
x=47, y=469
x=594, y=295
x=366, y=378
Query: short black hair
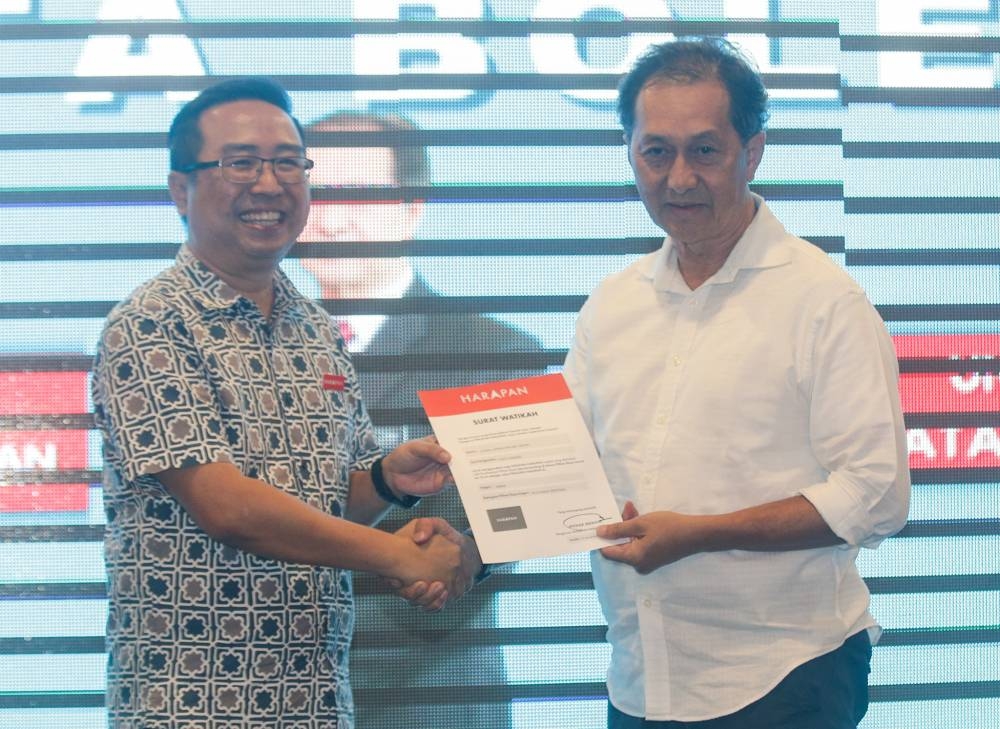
x=411, y=162
x=699, y=59
x=184, y=138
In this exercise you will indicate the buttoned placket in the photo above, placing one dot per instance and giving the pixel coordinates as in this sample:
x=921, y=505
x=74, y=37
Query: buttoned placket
x=687, y=319
x=269, y=332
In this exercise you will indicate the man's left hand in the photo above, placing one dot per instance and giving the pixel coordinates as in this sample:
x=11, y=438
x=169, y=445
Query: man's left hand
x=418, y=467
x=656, y=539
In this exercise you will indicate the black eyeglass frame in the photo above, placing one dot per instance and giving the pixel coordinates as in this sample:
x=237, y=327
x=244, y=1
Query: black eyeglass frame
x=221, y=164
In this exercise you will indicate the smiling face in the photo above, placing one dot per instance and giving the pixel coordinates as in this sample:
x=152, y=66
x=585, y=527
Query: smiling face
x=242, y=228
x=691, y=167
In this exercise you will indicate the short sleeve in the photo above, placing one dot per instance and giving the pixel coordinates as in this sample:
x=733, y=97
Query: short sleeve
x=152, y=399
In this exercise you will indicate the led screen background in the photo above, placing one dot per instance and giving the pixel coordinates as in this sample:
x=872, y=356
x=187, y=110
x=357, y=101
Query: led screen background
x=883, y=150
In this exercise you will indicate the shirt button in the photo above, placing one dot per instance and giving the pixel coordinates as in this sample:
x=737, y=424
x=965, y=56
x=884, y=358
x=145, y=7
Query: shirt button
x=677, y=361
x=662, y=420
x=647, y=602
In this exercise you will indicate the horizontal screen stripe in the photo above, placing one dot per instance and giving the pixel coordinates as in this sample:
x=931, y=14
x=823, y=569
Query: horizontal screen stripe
x=438, y=194
x=914, y=366
x=52, y=700
x=51, y=646
x=52, y=590
x=483, y=304
x=416, y=417
x=950, y=528
x=922, y=257
x=401, y=696
x=84, y=421
x=953, y=420
x=921, y=96
x=954, y=475
x=914, y=150
x=423, y=137
x=920, y=43
x=466, y=638
x=535, y=582
x=935, y=691
x=340, y=307
x=938, y=312
x=946, y=528
x=371, y=249
x=27, y=476
x=921, y=205
x=957, y=636
x=492, y=360
x=380, y=82
x=478, y=28
x=933, y=583
x=55, y=533
x=362, y=362
x=80, y=421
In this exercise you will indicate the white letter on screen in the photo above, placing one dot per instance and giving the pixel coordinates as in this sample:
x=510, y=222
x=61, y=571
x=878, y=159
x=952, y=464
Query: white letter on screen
x=157, y=55
x=443, y=53
x=554, y=53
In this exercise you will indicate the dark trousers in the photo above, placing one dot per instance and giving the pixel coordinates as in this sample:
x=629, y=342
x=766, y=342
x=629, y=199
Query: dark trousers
x=828, y=692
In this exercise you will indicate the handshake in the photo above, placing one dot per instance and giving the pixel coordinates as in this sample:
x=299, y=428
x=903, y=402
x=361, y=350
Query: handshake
x=437, y=564
x=433, y=563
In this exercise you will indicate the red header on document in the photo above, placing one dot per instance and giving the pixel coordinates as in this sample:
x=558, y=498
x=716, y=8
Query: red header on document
x=943, y=392
x=493, y=395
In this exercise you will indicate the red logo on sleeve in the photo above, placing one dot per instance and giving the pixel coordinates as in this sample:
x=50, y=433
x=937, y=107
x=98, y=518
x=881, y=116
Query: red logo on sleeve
x=334, y=382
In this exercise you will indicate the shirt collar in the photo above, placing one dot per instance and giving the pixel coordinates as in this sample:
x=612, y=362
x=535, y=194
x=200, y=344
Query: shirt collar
x=212, y=293
x=759, y=247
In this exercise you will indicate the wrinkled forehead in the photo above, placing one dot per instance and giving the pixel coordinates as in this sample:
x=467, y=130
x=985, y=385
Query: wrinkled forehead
x=667, y=108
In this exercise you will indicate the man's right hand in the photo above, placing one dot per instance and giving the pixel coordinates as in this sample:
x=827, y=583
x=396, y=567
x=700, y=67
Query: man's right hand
x=442, y=578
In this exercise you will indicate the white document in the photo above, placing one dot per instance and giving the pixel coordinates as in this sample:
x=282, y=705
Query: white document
x=525, y=466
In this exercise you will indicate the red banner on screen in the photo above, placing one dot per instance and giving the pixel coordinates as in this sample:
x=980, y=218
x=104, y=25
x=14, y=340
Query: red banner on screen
x=43, y=393
x=976, y=391
x=961, y=392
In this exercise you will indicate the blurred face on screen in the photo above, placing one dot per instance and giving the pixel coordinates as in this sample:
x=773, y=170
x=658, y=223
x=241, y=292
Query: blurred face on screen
x=691, y=167
x=362, y=168
x=238, y=227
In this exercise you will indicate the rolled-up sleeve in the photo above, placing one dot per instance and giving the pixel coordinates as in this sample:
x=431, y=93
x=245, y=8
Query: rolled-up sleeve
x=856, y=424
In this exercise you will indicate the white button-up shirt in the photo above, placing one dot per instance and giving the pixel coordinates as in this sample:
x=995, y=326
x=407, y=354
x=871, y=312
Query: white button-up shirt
x=774, y=378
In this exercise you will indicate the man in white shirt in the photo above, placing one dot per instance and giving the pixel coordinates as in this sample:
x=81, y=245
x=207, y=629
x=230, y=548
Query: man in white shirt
x=741, y=391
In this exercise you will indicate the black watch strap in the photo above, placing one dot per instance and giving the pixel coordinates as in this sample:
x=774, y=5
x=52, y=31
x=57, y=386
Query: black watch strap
x=407, y=501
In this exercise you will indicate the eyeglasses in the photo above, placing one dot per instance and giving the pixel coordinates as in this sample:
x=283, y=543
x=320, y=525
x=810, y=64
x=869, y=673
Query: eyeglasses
x=245, y=169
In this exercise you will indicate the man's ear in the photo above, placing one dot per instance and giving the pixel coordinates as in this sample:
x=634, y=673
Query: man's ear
x=627, y=138
x=755, y=151
x=178, y=182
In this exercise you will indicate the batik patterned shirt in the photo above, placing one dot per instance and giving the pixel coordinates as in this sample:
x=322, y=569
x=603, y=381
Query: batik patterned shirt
x=201, y=634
